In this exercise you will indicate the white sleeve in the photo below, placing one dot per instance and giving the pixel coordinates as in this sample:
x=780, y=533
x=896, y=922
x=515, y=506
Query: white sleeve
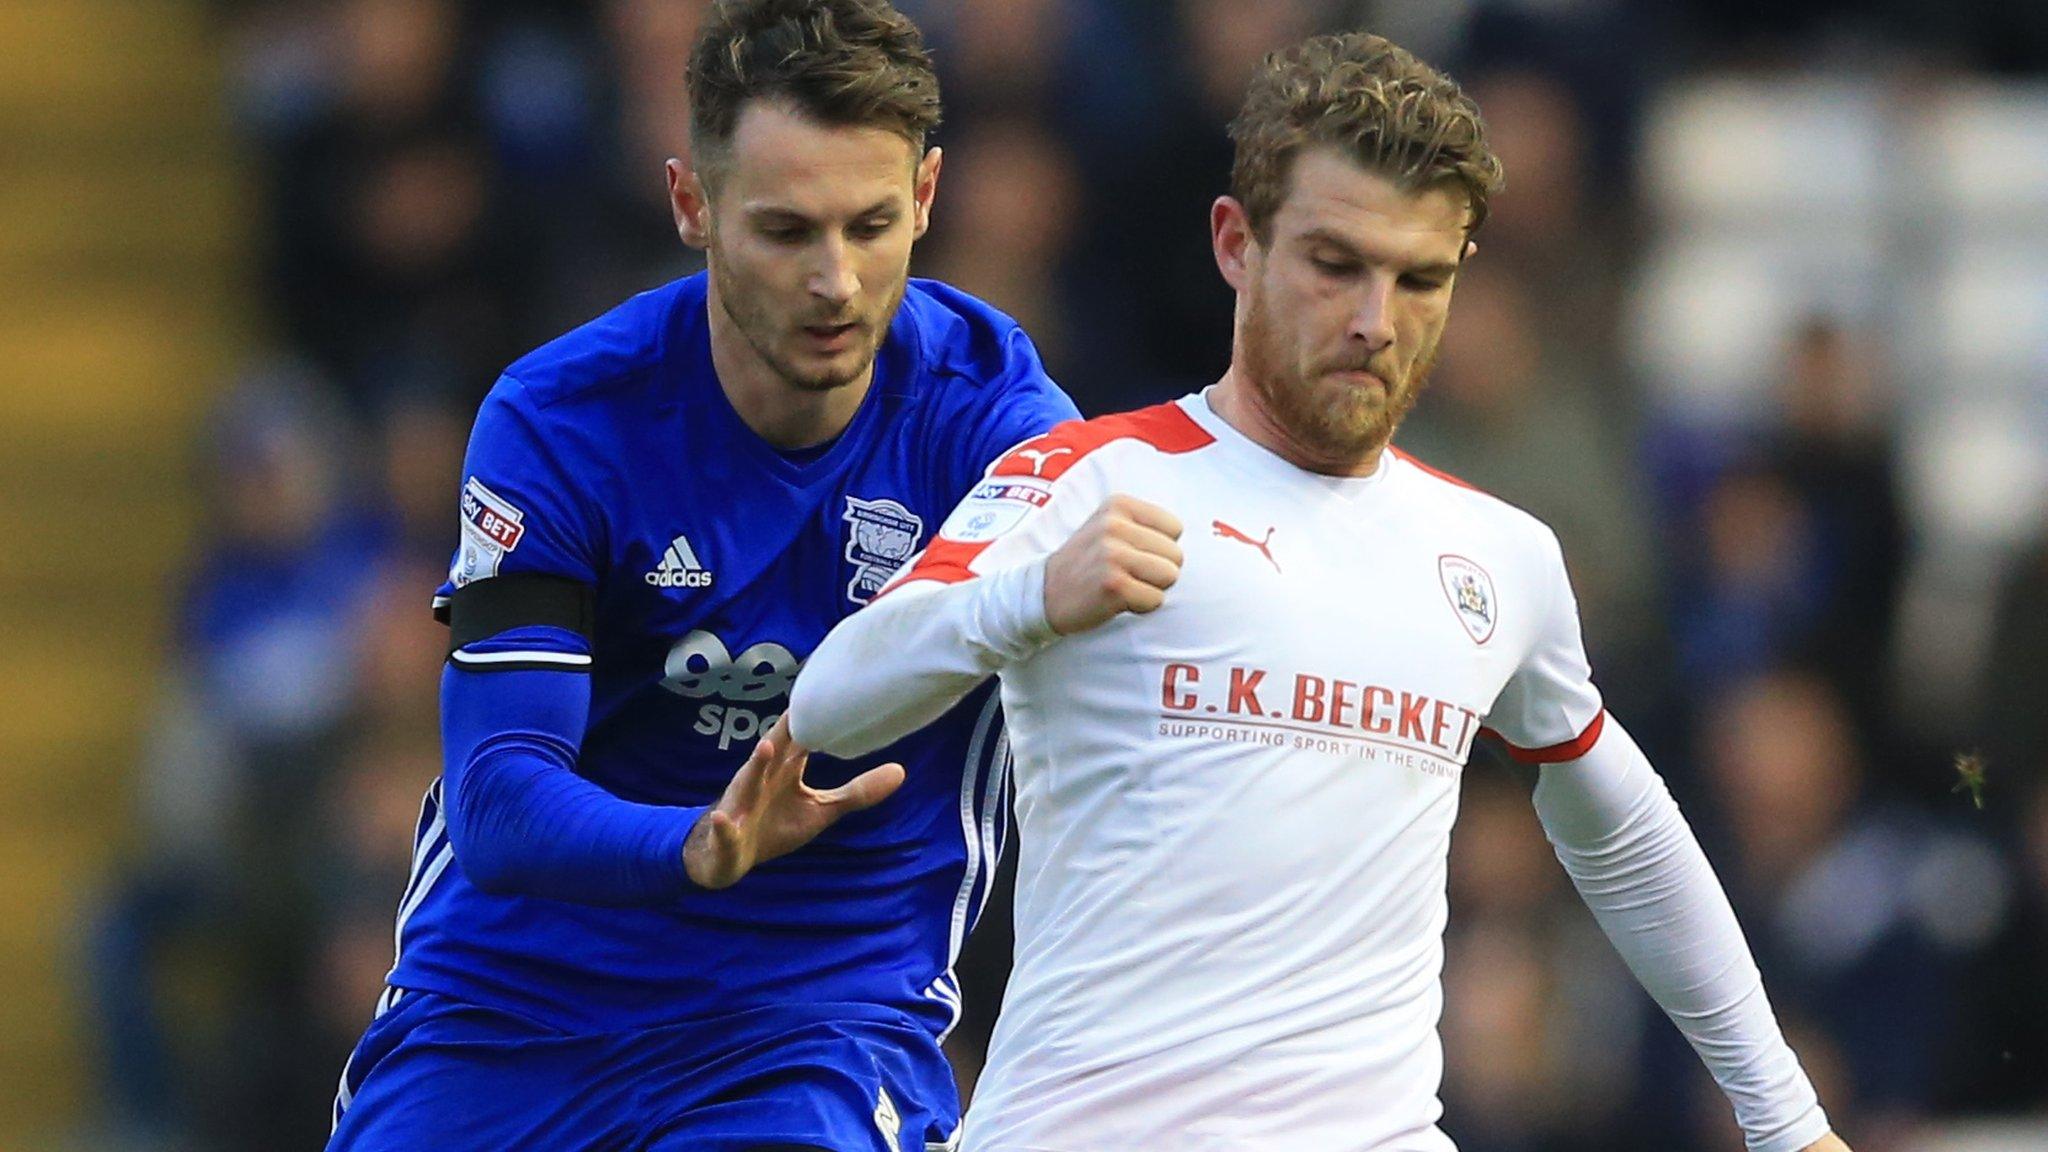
x=969, y=605
x=1637, y=865
x=1549, y=710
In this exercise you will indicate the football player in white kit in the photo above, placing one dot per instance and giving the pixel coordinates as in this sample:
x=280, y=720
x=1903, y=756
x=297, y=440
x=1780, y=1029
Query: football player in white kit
x=1246, y=646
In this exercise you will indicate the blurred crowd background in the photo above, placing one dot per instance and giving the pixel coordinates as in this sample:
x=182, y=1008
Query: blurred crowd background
x=1760, y=325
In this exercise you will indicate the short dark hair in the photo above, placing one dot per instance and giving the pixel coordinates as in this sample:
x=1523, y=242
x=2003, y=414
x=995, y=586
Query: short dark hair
x=1375, y=101
x=841, y=62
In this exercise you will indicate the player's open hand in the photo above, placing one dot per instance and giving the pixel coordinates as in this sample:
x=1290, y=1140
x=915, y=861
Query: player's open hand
x=1122, y=560
x=768, y=810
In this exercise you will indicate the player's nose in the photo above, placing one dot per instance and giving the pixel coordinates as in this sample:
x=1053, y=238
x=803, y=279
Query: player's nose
x=834, y=277
x=1372, y=320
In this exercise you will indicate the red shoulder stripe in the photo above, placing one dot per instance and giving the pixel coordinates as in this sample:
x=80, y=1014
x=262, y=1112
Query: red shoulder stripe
x=947, y=561
x=1437, y=472
x=1571, y=749
x=1163, y=426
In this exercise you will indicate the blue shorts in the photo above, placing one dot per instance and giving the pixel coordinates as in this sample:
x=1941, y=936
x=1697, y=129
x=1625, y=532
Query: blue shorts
x=435, y=1073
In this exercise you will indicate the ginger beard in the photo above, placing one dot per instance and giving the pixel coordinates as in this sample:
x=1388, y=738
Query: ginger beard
x=1333, y=417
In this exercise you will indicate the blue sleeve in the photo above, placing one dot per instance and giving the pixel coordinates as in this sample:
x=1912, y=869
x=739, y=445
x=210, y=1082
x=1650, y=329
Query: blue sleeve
x=522, y=506
x=521, y=820
x=1021, y=404
x=515, y=695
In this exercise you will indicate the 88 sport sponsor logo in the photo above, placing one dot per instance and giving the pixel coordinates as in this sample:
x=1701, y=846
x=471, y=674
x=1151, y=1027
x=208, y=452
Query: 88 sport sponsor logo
x=701, y=667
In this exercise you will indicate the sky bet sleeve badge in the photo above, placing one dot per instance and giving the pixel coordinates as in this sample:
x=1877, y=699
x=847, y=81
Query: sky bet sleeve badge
x=883, y=534
x=993, y=508
x=491, y=527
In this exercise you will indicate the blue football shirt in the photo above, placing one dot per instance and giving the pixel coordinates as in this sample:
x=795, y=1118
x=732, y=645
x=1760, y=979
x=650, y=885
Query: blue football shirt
x=612, y=458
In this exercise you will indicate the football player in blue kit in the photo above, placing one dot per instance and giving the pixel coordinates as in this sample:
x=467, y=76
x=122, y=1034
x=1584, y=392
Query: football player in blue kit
x=662, y=513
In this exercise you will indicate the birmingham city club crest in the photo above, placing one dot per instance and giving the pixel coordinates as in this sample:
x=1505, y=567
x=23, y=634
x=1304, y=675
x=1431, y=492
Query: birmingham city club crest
x=883, y=534
x=1470, y=591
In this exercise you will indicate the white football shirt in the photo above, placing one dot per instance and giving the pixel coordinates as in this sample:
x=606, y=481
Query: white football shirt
x=1235, y=812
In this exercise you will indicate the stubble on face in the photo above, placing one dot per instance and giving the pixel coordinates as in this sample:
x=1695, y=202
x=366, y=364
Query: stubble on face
x=784, y=185
x=773, y=331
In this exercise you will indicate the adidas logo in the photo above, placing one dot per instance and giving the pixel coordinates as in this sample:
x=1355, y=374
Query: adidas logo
x=679, y=568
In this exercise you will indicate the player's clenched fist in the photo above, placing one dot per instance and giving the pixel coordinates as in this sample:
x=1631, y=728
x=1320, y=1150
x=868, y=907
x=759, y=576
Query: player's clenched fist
x=1122, y=560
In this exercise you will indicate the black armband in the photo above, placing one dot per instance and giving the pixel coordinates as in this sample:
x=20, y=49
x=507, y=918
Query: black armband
x=481, y=610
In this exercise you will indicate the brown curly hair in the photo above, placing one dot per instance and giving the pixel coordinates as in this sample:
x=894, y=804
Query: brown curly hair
x=1377, y=102
x=840, y=62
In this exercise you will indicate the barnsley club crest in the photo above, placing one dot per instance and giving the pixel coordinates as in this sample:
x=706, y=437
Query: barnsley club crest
x=883, y=534
x=1470, y=591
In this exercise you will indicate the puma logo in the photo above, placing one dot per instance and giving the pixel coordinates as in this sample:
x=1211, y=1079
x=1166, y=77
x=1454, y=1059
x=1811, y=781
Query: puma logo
x=1039, y=458
x=1229, y=533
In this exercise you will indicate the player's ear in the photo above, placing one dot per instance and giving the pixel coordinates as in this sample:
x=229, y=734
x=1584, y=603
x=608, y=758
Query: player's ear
x=1230, y=234
x=926, y=189
x=688, y=202
x=1471, y=250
